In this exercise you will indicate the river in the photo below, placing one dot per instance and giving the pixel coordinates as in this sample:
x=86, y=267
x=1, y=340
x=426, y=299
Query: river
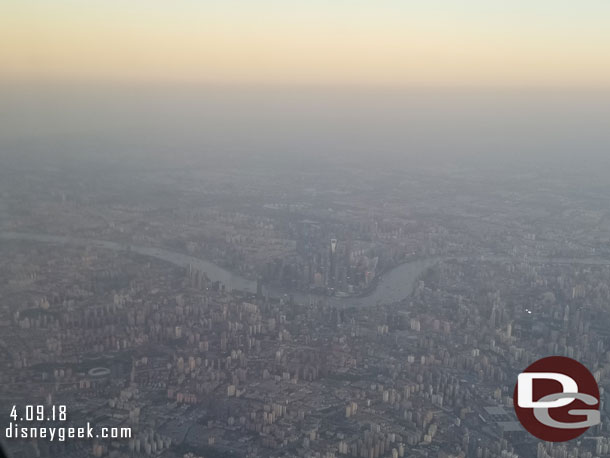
x=393, y=286
x=213, y=271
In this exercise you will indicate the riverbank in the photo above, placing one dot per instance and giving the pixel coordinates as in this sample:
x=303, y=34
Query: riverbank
x=394, y=285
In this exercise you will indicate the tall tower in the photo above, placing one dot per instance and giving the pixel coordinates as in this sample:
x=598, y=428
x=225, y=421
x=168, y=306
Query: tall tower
x=333, y=262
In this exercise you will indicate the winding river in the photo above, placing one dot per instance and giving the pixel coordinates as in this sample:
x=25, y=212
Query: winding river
x=393, y=286
x=213, y=271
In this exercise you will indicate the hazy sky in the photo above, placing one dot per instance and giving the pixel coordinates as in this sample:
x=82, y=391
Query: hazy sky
x=371, y=42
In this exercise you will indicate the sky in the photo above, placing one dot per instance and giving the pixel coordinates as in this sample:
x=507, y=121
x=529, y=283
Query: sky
x=373, y=79
x=476, y=43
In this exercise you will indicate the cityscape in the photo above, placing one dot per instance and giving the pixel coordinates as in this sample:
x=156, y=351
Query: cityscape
x=278, y=313
x=304, y=229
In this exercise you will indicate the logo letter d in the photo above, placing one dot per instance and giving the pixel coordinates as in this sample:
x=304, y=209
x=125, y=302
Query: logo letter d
x=526, y=389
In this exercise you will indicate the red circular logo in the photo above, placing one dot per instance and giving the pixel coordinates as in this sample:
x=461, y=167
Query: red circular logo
x=556, y=399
